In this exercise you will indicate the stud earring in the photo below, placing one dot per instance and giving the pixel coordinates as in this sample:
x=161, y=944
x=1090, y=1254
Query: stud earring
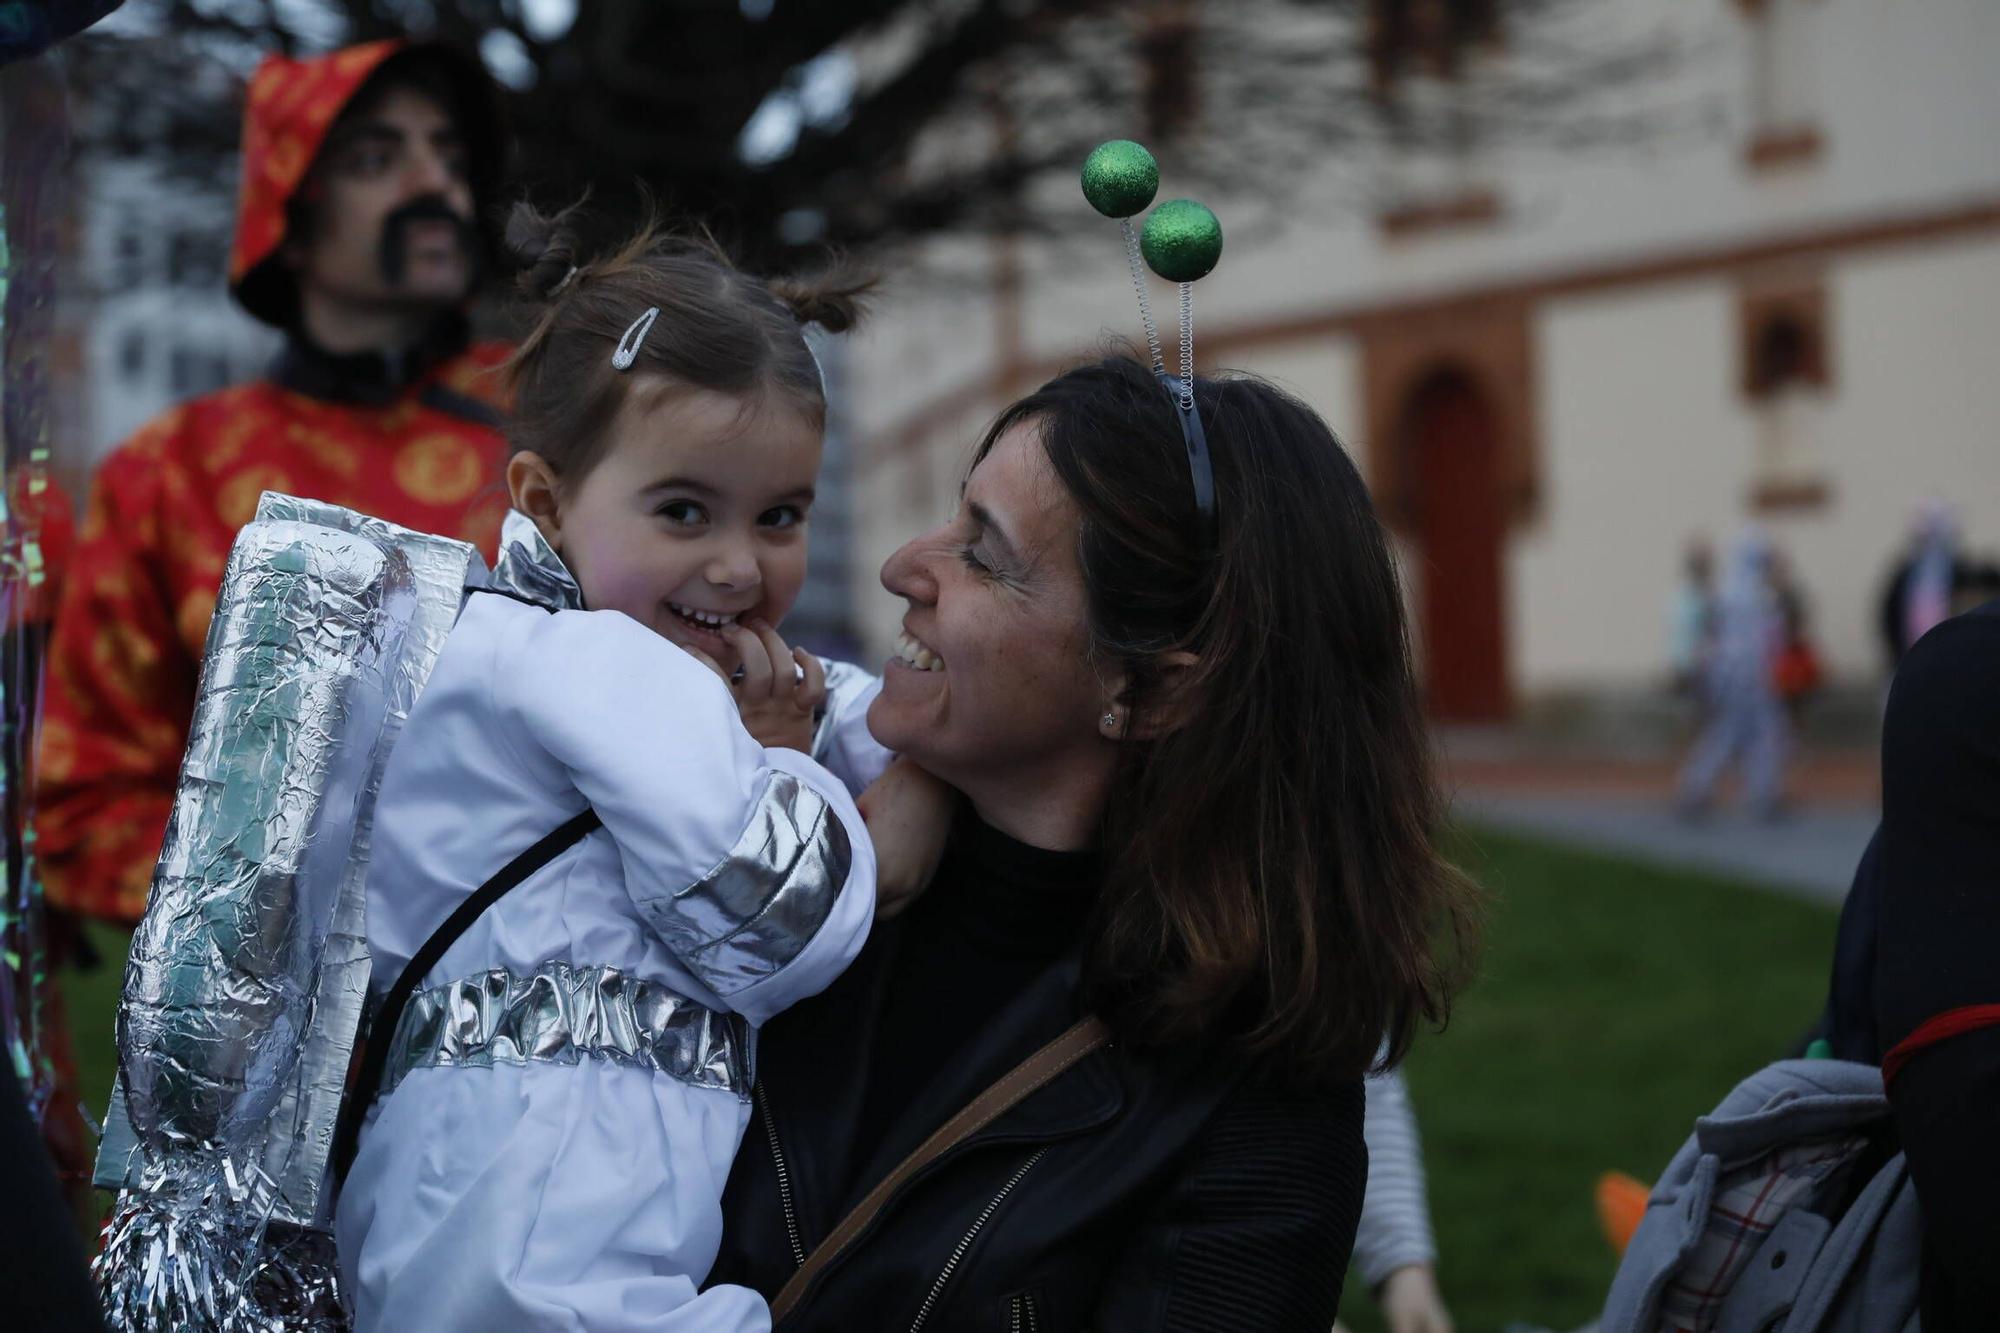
x=1110, y=721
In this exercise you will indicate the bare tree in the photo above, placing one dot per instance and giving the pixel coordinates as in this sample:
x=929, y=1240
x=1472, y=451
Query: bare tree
x=793, y=123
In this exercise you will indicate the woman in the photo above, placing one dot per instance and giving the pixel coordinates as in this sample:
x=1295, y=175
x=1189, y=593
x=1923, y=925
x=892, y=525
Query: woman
x=1198, y=805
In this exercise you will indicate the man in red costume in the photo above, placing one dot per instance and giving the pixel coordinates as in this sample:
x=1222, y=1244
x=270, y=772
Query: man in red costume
x=365, y=174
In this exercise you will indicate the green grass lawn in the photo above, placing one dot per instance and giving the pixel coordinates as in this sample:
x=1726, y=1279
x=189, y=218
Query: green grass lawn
x=92, y=998
x=1616, y=1002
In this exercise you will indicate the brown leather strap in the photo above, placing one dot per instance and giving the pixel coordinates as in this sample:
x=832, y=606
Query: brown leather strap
x=981, y=1111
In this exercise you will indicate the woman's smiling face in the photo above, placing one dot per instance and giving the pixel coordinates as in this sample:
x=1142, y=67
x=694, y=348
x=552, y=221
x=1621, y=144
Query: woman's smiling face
x=991, y=687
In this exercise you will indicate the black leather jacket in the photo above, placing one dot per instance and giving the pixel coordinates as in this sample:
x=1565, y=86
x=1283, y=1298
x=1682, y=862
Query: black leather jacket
x=1128, y=1194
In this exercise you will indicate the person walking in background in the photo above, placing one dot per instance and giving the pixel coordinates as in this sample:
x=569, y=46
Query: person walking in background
x=1797, y=672
x=1923, y=583
x=1691, y=620
x=364, y=175
x=1746, y=720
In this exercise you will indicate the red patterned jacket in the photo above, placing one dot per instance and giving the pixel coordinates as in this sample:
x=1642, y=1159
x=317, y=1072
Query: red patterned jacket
x=418, y=446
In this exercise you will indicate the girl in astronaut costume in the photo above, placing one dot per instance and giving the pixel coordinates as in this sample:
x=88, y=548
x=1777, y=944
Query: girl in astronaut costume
x=567, y=1087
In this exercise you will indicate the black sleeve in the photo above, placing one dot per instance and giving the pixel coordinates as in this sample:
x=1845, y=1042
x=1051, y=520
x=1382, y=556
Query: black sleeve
x=1256, y=1232
x=1849, y=1021
x=1944, y=1101
x=1940, y=907
x=1939, y=946
x=1889, y=620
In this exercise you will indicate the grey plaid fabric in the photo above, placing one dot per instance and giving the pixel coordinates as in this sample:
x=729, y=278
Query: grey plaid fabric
x=1748, y=1202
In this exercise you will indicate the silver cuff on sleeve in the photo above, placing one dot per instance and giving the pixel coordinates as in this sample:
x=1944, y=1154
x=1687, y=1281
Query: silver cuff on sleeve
x=762, y=903
x=846, y=686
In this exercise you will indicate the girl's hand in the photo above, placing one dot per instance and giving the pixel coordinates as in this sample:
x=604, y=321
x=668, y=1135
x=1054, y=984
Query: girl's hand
x=1411, y=1302
x=908, y=813
x=780, y=689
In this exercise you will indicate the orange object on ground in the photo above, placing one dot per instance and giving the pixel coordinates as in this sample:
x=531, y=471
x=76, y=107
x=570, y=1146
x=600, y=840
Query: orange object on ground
x=1621, y=1206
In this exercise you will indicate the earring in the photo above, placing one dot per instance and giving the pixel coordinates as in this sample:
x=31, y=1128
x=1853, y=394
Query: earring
x=1110, y=721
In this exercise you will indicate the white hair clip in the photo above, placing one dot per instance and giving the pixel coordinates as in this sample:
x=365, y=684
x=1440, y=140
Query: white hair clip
x=818, y=365
x=634, y=339
x=567, y=279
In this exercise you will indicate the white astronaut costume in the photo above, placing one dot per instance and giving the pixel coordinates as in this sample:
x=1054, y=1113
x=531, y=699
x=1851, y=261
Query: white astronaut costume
x=568, y=1088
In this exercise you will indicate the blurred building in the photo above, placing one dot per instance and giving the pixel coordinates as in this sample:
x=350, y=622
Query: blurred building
x=153, y=316
x=1555, y=367
x=822, y=620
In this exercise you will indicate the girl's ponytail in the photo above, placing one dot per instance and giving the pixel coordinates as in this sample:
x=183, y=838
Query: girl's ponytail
x=832, y=298
x=544, y=246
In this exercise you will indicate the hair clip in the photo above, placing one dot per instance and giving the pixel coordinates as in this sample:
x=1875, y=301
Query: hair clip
x=1182, y=242
x=563, y=282
x=819, y=367
x=634, y=339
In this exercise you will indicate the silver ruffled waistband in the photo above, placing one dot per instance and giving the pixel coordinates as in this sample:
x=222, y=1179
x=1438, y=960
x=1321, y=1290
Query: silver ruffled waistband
x=562, y=1014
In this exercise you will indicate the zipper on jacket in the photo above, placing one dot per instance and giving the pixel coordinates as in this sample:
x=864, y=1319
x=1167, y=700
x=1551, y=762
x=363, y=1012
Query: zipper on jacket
x=965, y=1241
x=1021, y=1314
x=784, y=1178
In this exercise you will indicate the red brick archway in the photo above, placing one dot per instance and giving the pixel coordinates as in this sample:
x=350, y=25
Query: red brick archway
x=1451, y=446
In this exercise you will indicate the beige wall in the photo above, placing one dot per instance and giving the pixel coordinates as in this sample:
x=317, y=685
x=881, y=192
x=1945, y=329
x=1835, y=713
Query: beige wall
x=1646, y=440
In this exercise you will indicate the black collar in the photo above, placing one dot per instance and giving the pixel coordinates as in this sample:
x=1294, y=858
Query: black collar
x=371, y=378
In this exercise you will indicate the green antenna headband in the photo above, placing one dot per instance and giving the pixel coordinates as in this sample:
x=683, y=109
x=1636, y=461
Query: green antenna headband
x=1182, y=242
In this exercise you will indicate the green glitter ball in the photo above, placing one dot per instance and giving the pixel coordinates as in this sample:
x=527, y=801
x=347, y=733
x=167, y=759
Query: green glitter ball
x=1182, y=240
x=1120, y=178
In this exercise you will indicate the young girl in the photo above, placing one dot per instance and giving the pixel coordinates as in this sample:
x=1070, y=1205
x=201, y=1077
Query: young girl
x=568, y=1085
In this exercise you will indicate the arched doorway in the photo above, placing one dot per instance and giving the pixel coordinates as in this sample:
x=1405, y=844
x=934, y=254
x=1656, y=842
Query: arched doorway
x=1451, y=444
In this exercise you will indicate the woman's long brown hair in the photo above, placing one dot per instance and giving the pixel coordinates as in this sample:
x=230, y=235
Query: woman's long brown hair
x=1274, y=880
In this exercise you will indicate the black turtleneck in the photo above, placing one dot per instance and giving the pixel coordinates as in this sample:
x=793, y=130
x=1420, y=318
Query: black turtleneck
x=374, y=378
x=997, y=914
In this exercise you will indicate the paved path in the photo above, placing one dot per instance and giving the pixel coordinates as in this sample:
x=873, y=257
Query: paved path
x=1810, y=854
x=1624, y=805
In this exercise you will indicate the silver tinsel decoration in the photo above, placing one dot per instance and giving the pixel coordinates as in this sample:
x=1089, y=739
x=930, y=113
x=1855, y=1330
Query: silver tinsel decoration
x=191, y=1247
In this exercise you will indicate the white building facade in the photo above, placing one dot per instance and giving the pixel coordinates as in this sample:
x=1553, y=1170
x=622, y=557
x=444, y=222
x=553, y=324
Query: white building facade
x=150, y=298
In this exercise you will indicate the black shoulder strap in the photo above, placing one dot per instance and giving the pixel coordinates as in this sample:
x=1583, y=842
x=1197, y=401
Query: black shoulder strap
x=382, y=1031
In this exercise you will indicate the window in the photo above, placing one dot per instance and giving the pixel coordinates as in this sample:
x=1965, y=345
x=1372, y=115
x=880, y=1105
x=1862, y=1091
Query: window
x=1783, y=106
x=1430, y=60
x=192, y=373
x=1787, y=378
x=192, y=261
x=132, y=356
x=1167, y=45
x=128, y=260
x=1426, y=36
x=1785, y=357
x=184, y=371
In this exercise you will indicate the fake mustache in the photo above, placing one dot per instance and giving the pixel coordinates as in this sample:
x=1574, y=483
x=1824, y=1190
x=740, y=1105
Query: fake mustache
x=393, y=255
